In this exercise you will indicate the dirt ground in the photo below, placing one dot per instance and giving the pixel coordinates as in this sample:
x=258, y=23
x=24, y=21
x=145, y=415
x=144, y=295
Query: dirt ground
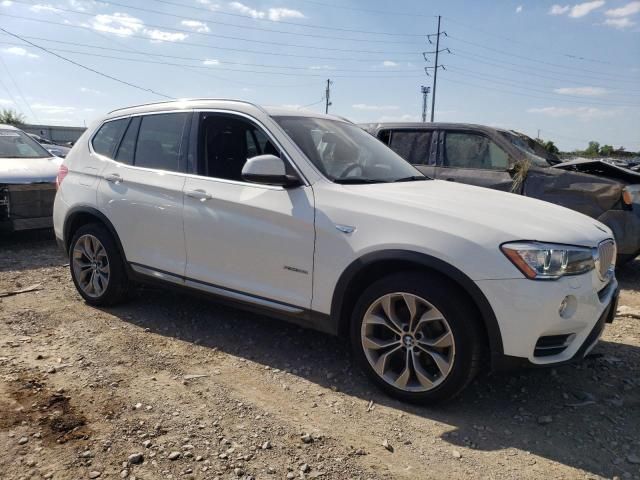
x=173, y=386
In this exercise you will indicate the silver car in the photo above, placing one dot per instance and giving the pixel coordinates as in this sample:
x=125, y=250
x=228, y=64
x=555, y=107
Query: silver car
x=27, y=181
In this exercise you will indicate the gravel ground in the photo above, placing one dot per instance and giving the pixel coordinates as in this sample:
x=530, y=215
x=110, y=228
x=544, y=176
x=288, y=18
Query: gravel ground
x=174, y=386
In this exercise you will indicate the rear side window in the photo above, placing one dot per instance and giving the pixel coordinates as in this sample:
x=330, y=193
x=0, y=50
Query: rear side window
x=108, y=137
x=127, y=147
x=160, y=140
x=471, y=150
x=413, y=146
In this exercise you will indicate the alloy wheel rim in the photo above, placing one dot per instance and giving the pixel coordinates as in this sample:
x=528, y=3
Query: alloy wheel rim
x=91, y=265
x=408, y=342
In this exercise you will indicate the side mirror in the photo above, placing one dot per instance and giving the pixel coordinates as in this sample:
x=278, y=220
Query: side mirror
x=270, y=170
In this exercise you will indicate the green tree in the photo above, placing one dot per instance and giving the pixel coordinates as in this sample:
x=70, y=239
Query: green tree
x=593, y=149
x=606, y=150
x=11, y=117
x=550, y=147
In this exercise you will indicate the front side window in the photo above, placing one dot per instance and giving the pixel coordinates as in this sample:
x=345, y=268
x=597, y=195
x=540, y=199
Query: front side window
x=227, y=142
x=413, y=146
x=345, y=153
x=106, y=140
x=472, y=150
x=160, y=140
x=17, y=144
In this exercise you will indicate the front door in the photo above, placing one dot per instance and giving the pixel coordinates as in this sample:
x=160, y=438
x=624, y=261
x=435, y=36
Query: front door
x=244, y=237
x=472, y=158
x=141, y=190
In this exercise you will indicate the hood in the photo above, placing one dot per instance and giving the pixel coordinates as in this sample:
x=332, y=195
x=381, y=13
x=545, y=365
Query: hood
x=601, y=168
x=478, y=214
x=29, y=170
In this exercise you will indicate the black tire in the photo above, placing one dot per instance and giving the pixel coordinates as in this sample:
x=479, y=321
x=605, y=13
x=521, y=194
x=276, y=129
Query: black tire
x=118, y=283
x=462, y=320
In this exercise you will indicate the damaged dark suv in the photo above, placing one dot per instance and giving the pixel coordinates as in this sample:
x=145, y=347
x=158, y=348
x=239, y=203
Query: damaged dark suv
x=512, y=162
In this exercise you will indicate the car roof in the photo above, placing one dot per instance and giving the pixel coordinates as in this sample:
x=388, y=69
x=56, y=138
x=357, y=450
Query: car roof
x=5, y=126
x=219, y=103
x=428, y=126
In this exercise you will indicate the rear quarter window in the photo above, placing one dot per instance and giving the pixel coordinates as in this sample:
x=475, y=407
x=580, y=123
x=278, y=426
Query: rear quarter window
x=106, y=140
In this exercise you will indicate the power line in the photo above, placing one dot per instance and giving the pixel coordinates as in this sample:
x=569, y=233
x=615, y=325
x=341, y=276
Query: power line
x=18, y=89
x=73, y=62
x=230, y=37
x=436, y=67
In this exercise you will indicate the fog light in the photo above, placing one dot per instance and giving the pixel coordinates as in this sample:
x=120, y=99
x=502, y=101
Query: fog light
x=568, y=306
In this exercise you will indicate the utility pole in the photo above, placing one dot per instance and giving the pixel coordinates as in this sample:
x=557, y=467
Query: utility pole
x=425, y=93
x=435, y=72
x=327, y=96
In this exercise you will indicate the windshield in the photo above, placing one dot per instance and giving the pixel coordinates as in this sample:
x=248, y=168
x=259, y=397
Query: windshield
x=526, y=145
x=17, y=144
x=345, y=153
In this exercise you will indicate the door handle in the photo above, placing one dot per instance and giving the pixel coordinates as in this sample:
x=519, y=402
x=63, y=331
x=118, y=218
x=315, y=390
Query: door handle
x=114, y=178
x=199, y=194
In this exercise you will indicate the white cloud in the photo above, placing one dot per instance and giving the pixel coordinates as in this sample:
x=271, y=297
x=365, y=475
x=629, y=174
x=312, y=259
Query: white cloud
x=43, y=8
x=118, y=24
x=84, y=5
x=629, y=9
x=20, y=52
x=582, y=9
x=620, y=23
x=195, y=25
x=583, y=91
x=389, y=63
x=519, y=9
x=48, y=109
x=6, y=3
x=364, y=106
x=211, y=61
x=161, y=36
x=242, y=8
x=581, y=113
x=5, y=101
x=559, y=9
x=321, y=67
x=275, y=14
x=90, y=90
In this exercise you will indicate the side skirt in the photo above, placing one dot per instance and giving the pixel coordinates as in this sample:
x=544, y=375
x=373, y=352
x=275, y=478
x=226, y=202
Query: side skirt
x=290, y=313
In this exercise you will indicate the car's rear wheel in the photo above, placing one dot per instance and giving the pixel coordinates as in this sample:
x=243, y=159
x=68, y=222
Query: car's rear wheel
x=97, y=268
x=417, y=337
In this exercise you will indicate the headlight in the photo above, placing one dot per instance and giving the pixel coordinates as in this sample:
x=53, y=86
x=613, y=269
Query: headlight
x=548, y=261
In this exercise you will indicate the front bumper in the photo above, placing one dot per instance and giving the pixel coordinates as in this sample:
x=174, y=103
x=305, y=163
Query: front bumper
x=528, y=316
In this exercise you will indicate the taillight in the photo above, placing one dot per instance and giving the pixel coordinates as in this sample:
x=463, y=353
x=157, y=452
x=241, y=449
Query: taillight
x=62, y=172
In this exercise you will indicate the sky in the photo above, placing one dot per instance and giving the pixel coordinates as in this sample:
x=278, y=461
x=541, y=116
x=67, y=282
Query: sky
x=569, y=72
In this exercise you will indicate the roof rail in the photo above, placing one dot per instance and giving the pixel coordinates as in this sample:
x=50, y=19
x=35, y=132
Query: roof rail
x=190, y=100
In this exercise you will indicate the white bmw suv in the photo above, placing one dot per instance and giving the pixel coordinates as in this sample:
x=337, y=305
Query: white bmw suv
x=308, y=218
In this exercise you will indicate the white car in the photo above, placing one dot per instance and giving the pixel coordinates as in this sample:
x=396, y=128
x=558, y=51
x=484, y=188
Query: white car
x=308, y=218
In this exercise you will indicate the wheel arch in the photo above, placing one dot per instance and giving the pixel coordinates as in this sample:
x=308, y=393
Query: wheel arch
x=368, y=268
x=83, y=215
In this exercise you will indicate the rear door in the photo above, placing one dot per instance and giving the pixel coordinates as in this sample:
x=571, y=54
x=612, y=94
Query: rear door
x=471, y=157
x=141, y=190
x=414, y=145
x=242, y=238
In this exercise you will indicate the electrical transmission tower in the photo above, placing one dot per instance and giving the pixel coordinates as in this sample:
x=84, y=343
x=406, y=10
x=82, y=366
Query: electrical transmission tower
x=437, y=66
x=425, y=92
x=327, y=96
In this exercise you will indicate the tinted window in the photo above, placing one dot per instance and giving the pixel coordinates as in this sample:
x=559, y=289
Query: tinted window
x=128, y=145
x=159, y=141
x=226, y=142
x=412, y=146
x=108, y=137
x=470, y=150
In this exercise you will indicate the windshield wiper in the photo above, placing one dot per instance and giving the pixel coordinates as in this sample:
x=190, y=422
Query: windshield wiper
x=356, y=180
x=412, y=178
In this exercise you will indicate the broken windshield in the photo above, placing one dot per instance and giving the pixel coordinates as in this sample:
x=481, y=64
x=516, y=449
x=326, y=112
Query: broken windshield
x=523, y=143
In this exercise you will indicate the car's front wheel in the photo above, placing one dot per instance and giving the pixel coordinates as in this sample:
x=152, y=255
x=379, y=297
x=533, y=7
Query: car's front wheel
x=97, y=268
x=417, y=337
